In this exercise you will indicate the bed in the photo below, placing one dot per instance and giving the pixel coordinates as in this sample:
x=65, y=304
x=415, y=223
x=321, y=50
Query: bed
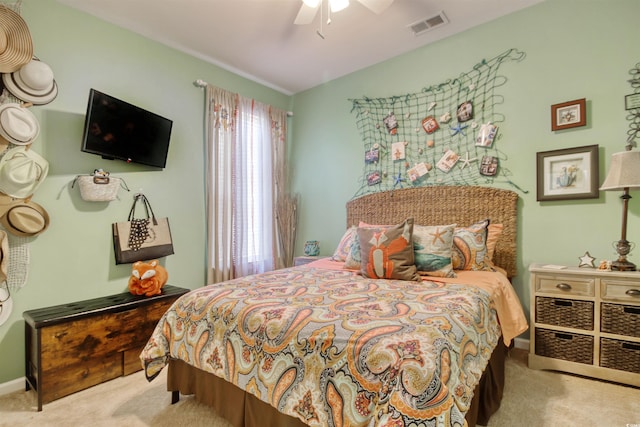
x=324, y=345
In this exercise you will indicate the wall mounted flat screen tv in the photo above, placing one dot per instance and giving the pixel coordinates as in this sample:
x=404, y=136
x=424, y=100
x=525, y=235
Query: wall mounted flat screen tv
x=115, y=129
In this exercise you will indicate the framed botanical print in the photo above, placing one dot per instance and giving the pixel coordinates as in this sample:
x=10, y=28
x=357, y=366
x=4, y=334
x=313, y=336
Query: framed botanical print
x=567, y=174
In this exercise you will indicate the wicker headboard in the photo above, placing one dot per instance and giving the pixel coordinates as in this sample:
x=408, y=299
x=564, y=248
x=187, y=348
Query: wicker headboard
x=434, y=205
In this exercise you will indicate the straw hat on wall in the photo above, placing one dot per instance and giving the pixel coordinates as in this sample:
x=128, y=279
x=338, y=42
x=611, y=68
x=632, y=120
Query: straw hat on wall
x=16, y=46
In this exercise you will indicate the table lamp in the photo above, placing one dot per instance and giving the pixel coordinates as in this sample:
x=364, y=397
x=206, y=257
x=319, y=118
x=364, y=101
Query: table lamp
x=624, y=174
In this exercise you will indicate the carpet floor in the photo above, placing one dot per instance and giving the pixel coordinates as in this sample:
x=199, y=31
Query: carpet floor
x=532, y=398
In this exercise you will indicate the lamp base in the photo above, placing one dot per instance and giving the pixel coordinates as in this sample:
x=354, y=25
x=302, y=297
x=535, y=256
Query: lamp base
x=623, y=265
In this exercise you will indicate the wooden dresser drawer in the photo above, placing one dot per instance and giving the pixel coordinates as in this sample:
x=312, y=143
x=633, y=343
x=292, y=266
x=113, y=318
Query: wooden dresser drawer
x=620, y=290
x=64, y=380
x=564, y=285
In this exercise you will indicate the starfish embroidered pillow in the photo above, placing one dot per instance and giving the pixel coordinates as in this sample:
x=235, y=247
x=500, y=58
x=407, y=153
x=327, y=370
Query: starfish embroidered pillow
x=432, y=247
x=387, y=252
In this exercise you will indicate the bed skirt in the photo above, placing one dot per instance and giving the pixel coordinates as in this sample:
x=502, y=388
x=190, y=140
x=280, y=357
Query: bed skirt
x=245, y=410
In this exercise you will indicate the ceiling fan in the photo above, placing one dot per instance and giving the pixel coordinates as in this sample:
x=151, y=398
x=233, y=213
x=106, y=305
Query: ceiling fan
x=309, y=8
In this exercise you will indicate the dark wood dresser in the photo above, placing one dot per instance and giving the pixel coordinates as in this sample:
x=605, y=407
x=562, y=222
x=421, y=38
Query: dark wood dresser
x=71, y=347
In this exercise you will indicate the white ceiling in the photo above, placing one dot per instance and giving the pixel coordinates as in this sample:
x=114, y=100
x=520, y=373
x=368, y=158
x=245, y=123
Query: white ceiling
x=257, y=39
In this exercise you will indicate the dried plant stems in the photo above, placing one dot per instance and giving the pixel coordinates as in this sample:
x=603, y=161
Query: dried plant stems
x=287, y=217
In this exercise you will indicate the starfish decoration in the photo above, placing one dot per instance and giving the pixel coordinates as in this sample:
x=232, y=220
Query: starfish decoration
x=458, y=129
x=438, y=236
x=586, y=260
x=397, y=180
x=466, y=161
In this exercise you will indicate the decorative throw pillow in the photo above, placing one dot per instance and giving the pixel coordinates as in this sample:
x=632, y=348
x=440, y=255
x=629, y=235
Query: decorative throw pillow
x=387, y=253
x=470, y=248
x=432, y=246
x=352, y=262
x=353, y=259
x=342, y=251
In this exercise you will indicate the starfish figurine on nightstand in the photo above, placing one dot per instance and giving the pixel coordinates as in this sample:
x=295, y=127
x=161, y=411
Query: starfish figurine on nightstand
x=458, y=129
x=586, y=260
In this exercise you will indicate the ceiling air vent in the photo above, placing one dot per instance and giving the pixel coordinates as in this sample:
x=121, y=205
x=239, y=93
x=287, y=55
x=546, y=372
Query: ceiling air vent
x=428, y=24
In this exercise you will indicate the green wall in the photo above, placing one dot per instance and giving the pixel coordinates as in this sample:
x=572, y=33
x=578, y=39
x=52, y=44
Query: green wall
x=574, y=49
x=73, y=259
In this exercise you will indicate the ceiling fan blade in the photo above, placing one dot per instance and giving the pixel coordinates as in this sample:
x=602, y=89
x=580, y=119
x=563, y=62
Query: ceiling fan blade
x=376, y=6
x=306, y=14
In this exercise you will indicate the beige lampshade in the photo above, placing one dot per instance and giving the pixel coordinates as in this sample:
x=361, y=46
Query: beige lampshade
x=624, y=171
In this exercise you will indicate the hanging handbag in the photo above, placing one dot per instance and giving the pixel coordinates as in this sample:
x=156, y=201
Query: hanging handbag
x=97, y=188
x=141, y=239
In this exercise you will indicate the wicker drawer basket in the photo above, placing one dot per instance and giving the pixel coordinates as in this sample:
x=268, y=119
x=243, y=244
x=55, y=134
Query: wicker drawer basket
x=621, y=355
x=561, y=345
x=620, y=319
x=565, y=312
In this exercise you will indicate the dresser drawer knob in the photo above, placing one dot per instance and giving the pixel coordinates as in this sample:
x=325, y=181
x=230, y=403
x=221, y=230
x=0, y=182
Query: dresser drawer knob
x=563, y=286
x=633, y=292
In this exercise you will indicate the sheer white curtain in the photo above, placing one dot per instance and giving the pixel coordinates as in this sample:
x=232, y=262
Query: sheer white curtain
x=242, y=193
x=253, y=196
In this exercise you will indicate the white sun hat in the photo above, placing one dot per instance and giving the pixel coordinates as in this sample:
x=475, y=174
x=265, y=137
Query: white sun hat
x=18, y=125
x=33, y=83
x=22, y=171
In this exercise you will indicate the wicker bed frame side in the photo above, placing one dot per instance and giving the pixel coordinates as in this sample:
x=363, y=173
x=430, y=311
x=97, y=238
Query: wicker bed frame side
x=432, y=205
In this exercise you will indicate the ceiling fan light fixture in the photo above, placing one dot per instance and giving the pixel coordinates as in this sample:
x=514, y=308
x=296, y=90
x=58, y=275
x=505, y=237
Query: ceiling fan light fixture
x=338, y=5
x=311, y=3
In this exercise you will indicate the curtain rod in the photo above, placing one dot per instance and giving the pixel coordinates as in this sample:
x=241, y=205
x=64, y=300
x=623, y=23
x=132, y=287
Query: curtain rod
x=201, y=84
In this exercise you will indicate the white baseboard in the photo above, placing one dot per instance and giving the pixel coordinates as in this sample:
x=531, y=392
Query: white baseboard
x=11, y=386
x=521, y=343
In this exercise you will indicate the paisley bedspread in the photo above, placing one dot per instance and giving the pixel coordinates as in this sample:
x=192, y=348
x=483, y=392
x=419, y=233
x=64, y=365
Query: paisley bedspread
x=333, y=348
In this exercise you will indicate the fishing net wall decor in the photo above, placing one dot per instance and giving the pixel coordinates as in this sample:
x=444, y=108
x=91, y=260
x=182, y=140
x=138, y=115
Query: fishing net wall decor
x=446, y=134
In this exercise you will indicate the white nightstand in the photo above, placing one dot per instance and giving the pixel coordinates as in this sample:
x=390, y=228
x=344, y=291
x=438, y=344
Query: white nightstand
x=586, y=321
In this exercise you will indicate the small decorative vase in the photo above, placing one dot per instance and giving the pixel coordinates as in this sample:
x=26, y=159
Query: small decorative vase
x=312, y=248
